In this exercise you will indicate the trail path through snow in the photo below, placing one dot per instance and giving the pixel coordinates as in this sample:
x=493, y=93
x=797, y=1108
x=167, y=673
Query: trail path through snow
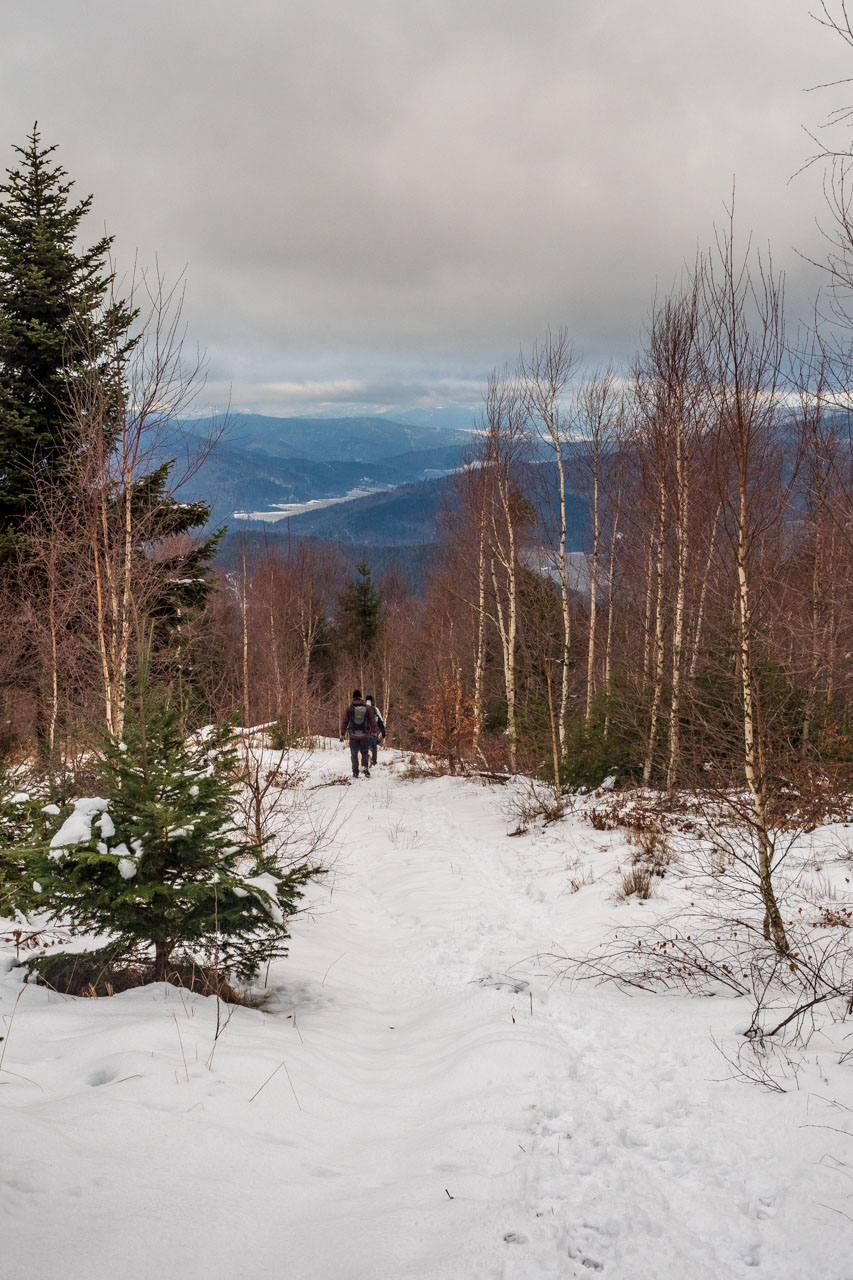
x=444, y=1108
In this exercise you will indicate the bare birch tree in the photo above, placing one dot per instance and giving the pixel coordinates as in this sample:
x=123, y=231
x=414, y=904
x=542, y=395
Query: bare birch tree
x=597, y=415
x=743, y=347
x=546, y=376
x=671, y=370
x=119, y=475
x=504, y=443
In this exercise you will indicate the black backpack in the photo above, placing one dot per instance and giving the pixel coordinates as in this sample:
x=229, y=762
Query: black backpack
x=358, y=719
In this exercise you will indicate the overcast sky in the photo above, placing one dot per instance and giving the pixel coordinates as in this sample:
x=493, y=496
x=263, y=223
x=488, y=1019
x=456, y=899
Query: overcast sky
x=378, y=200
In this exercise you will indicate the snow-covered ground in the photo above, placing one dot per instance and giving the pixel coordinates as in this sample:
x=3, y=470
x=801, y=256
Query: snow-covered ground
x=419, y=1098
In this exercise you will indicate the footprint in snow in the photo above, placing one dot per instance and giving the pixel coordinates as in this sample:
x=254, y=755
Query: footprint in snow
x=762, y=1205
x=590, y=1263
x=581, y=1256
x=100, y=1077
x=503, y=983
x=22, y=1183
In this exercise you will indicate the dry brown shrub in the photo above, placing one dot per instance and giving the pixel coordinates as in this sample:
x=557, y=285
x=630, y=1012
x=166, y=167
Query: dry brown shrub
x=424, y=767
x=444, y=719
x=834, y=918
x=652, y=849
x=532, y=801
x=810, y=798
x=104, y=973
x=637, y=882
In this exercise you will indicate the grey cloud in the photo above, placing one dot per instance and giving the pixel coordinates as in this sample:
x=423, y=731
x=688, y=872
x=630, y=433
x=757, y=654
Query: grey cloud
x=389, y=192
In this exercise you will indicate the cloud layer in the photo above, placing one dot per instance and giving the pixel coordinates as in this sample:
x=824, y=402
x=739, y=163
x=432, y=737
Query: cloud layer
x=383, y=199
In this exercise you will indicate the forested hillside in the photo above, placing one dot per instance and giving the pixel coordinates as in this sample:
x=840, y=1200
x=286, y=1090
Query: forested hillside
x=355, y=439
x=252, y=471
x=707, y=489
x=425, y=844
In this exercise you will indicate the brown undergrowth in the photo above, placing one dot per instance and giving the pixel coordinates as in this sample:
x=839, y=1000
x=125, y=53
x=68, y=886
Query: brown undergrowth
x=105, y=973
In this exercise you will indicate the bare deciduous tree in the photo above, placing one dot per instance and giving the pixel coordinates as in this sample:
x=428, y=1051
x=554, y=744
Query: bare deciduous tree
x=744, y=349
x=546, y=376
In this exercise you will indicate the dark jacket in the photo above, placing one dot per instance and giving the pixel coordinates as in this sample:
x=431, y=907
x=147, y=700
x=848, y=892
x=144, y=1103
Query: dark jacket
x=369, y=722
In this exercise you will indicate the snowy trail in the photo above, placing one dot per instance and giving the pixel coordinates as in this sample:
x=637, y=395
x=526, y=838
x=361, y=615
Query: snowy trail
x=445, y=1111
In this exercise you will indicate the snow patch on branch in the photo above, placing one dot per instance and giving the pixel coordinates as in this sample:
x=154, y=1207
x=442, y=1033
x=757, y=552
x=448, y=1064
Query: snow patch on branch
x=107, y=826
x=77, y=827
x=266, y=889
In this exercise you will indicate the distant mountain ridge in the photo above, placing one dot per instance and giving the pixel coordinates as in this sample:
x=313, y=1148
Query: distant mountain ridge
x=409, y=514
x=387, y=480
x=325, y=439
x=256, y=470
x=262, y=463
x=405, y=516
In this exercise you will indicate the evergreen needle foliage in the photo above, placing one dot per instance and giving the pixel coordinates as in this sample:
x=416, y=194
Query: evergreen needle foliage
x=55, y=314
x=360, y=614
x=158, y=858
x=17, y=810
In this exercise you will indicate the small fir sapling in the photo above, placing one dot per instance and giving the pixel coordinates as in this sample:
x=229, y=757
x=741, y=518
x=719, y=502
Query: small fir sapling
x=21, y=813
x=159, y=860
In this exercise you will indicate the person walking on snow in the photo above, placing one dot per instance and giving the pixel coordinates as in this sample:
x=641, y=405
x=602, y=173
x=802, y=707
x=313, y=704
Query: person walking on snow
x=380, y=728
x=359, y=721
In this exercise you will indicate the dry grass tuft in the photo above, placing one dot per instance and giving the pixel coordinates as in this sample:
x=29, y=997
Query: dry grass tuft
x=637, y=881
x=92, y=974
x=652, y=849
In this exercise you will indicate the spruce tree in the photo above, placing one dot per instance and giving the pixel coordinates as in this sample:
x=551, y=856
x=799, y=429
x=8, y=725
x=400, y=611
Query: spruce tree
x=65, y=352
x=157, y=860
x=54, y=316
x=179, y=581
x=20, y=813
x=360, y=615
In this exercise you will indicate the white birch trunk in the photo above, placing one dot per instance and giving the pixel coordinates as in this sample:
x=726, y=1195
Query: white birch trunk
x=681, y=532
x=593, y=597
x=658, y=647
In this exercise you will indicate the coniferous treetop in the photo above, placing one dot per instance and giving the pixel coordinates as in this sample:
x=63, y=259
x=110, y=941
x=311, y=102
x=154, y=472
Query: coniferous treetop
x=55, y=315
x=360, y=614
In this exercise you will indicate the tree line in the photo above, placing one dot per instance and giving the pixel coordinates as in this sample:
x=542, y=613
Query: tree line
x=706, y=619
x=701, y=636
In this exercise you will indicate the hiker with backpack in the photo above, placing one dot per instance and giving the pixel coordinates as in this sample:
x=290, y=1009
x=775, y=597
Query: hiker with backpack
x=359, y=721
x=380, y=728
